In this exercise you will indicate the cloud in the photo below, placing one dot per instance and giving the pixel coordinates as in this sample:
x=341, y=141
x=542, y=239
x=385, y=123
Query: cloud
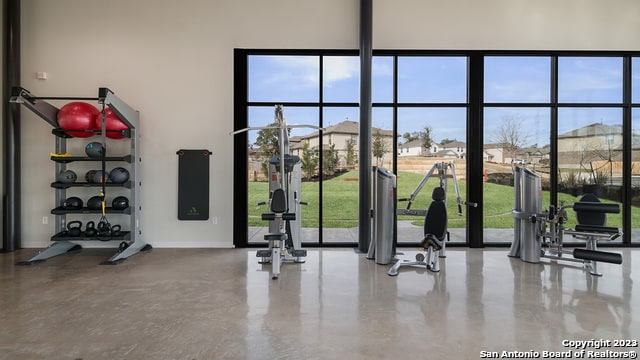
x=339, y=68
x=301, y=71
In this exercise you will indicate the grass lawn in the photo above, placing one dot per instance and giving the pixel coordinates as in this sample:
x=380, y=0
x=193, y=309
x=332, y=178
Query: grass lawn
x=340, y=205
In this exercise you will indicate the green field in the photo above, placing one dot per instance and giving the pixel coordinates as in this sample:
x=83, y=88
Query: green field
x=340, y=205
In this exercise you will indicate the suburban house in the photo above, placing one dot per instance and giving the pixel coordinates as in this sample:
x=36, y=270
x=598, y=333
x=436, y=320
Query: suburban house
x=590, y=151
x=449, y=149
x=495, y=153
x=339, y=136
x=533, y=155
x=413, y=148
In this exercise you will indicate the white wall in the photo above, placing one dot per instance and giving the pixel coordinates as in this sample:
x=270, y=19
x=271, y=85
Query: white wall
x=506, y=24
x=173, y=61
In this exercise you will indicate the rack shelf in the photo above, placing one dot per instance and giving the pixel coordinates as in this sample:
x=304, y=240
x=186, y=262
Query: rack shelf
x=68, y=159
x=109, y=210
x=59, y=185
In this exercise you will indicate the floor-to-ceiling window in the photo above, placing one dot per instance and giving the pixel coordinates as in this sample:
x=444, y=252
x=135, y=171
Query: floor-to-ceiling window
x=635, y=150
x=517, y=120
x=431, y=139
x=561, y=115
x=590, y=136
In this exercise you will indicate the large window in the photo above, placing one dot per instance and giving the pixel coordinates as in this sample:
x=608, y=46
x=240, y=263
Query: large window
x=561, y=115
x=635, y=151
x=517, y=132
x=590, y=137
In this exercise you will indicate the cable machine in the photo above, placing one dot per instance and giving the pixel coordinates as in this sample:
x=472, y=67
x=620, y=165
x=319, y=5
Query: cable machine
x=433, y=241
x=284, y=216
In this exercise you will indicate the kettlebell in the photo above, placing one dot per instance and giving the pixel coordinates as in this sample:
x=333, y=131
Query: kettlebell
x=74, y=228
x=90, y=229
x=115, y=230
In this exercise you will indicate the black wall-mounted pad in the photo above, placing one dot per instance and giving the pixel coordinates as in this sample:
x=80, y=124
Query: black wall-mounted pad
x=193, y=184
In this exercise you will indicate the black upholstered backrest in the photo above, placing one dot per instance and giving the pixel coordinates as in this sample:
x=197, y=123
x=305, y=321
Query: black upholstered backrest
x=278, y=202
x=435, y=221
x=591, y=217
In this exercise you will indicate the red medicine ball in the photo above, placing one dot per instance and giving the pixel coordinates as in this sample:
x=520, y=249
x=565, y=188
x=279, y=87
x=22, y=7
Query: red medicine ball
x=113, y=123
x=78, y=116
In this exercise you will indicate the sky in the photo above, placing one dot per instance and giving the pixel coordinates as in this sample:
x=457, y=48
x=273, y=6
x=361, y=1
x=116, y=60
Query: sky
x=442, y=80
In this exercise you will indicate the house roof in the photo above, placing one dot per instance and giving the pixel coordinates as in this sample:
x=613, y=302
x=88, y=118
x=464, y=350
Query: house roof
x=453, y=144
x=295, y=139
x=348, y=127
x=592, y=130
x=532, y=151
x=446, y=153
x=495, y=146
x=411, y=144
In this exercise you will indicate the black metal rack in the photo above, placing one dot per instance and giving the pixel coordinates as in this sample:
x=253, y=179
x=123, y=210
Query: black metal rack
x=129, y=242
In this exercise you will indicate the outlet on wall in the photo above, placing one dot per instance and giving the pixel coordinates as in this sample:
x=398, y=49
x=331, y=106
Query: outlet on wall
x=45, y=220
x=214, y=220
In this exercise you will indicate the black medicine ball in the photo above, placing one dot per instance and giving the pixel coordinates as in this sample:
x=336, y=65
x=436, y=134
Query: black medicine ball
x=66, y=177
x=72, y=203
x=119, y=175
x=88, y=176
x=99, y=177
x=94, y=203
x=120, y=203
x=94, y=149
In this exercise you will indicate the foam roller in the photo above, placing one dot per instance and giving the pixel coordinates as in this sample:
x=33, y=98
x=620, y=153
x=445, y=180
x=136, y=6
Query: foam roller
x=596, y=207
x=594, y=255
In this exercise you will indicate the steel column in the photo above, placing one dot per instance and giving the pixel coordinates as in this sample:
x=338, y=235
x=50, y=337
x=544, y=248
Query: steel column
x=11, y=129
x=364, y=161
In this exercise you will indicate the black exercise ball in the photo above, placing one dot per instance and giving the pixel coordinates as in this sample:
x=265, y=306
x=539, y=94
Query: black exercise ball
x=88, y=176
x=120, y=203
x=72, y=203
x=99, y=177
x=94, y=149
x=94, y=203
x=66, y=177
x=119, y=175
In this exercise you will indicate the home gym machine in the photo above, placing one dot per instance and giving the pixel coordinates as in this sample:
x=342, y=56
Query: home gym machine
x=532, y=239
x=284, y=216
x=435, y=219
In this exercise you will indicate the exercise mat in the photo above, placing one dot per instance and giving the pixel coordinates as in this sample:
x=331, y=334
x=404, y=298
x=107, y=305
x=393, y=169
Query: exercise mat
x=193, y=184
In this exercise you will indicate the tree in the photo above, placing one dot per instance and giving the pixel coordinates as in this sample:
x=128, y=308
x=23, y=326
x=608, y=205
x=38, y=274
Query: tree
x=350, y=157
x=410, y=136
x=379, y=147
x=330, y=160
x=268, y=144
x=425, y=136
x=309, y=161
x=511, y=134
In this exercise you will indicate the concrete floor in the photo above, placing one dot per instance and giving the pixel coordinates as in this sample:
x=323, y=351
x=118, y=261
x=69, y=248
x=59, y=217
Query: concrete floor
x=221, y=304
